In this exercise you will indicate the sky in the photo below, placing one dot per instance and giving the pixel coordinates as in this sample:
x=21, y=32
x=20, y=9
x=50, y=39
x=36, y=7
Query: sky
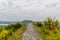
x=17, y=10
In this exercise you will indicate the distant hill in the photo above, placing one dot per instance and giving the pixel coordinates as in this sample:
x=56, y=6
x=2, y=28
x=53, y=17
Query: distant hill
x=9, y=22
x=6, y=22
x=27, y=21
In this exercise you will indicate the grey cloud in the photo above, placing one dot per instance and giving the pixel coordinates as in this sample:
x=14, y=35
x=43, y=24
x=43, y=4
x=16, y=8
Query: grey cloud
x=28, y=11
x=28, y=14
x=10, y=4
x=4, y=4
x=52, y=5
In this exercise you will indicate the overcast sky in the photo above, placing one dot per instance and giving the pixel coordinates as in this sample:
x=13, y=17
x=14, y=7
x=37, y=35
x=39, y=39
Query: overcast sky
x=16, y=10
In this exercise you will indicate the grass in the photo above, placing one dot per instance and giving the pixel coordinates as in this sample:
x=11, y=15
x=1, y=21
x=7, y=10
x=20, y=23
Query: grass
x=38, y=29
x=41, y=34
x=45, y=34
x=17, y=35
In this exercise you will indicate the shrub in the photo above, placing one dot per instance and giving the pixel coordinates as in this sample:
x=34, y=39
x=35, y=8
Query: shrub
x=14, y=26
x=39, y=24
x=51, y=23
x=4, y=33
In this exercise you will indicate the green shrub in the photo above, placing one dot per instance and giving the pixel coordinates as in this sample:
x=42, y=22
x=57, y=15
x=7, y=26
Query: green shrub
x=39, y=24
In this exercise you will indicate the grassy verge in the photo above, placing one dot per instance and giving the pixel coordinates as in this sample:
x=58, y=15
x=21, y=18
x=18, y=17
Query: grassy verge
x=41, y=33
x=46, y=34
x=17, y=35
x=38, y=29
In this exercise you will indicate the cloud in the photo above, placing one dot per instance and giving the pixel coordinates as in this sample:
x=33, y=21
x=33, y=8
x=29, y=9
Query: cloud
x=52, y=5
x=28, y=9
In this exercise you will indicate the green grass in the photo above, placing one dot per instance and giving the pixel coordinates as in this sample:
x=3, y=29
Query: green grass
x=39, y=30
x=46, y=34
x=17, y=35
x=41, y=33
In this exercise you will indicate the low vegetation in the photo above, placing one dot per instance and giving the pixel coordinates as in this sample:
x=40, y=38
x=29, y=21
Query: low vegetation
x=12, y=32
x=49, y=29
x=17, y=35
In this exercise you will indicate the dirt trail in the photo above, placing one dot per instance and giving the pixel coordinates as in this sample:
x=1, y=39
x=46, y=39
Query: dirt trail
x=30, y=33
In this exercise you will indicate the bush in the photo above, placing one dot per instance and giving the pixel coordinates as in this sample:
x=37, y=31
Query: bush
x=51, y=29
x=39, y=24
x=51, y=23
x=4, y=34
x=14, y=26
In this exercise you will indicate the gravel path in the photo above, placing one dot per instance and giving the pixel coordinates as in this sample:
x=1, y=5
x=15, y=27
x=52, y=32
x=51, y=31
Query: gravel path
x=30, y=33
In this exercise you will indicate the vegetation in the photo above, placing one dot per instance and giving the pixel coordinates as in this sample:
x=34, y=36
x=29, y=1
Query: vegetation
x=17, y=35
x=39, y=24
x=27, y=21
x=11, y=32
x=49, y=30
